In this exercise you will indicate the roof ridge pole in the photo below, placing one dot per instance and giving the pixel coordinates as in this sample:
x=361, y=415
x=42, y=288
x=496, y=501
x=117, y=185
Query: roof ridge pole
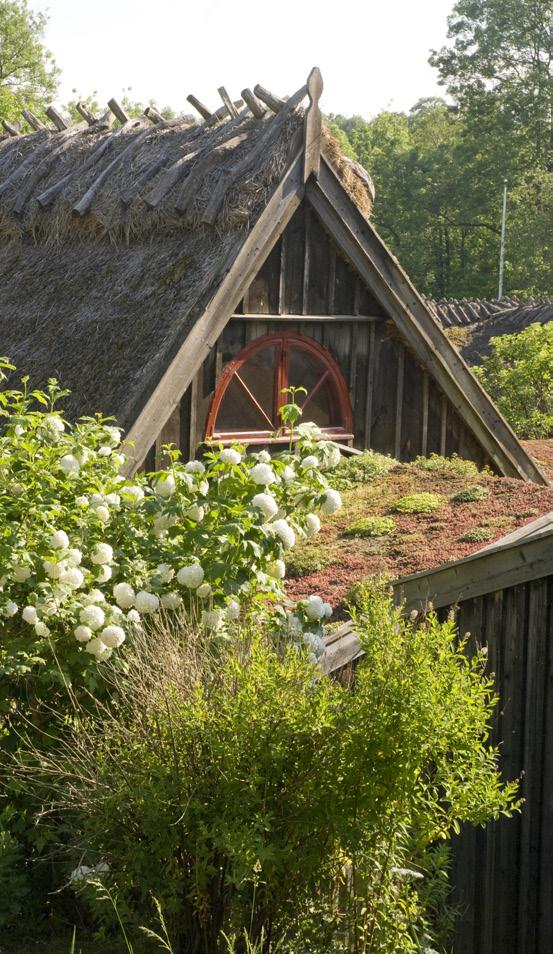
x=313, y=126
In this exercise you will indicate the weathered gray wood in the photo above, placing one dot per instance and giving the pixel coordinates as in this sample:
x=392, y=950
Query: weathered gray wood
x=275, y=103
x=253, y=103
x=205, y=160
x=11, y=128
x=306, y=263
x=169, y=434
x=59, y=121
x=85, y=112
x=313, y=126
x=204, y=112
x=106, y=120
x=205, y=332
x=443, y=426
x=44, y=148
x=425, y=400
x=370, y=387
x=399, y=401
x=84, y=203
x=545, y=908
x=34, y=122
x=47, y=197
x=282, y=279
x=230, y=107
x=222, y=113
x=118, y=112
x=136, y=186
x=49, y=154
x=382, y=273
x=267, y=137
x=153, y=115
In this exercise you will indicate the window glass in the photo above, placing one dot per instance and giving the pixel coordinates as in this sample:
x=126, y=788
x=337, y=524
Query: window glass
x=238, y=410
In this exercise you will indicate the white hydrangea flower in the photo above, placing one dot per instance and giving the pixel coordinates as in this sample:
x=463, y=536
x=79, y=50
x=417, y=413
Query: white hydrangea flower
x=266, y=503
x=196, y=513
x=212, y=619
x=10, y=609
x=82, y=873
x=203, y=591
x=96, y=500
x=232, y=610
x=19, y=430
x=314, y=642
x=332, y=502
x=113, y=500
x=96, y=647
x=327, y=610
x=53, y=425
x=115, y=612
x=333, y=456
x=72, y=577
x=83, y=634
x=113, y=636
x=21, y=573
x=70, y=464
x=312, y=524
x=309, y=429
x=288, y=474
x=171, y=601
x=92, y=616
x=310, y=462
x=132, y=495
x=30, y=615
x=74, y=556
x=191, y=575
x=113, y=435
x=146, y=602
x=133, y=616
x=102, y=553
x=165, y=486
x=276, y=569
x=82, y=455
x=163, y=522
x=104, y=451
x=102, y=513
x=230, y=456
x=94, y=596
x=58, y=540
x=104, y=574
x=314, y=608
x=195, y=467
x=82, y=501
x=54, y=570
x=295, y=624
x=119, y=459
x=41, y=629
x=284, y=531
x=165, y=572
x=262, y=474
x=264, y=457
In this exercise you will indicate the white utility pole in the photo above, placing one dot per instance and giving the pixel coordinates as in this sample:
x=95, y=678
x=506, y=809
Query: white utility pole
x=502, y=244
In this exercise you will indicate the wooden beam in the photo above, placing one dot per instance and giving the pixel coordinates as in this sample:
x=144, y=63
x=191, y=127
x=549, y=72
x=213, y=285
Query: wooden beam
x=209, y=325
x=282, y=274
x=370, y=385
x=443, y=425
x=84, y=203
x=283, y=316
x=275, y=103
x=41, y=168
x=222, y=113
x=399, y=401
x=205, y=160
x=273, y=129
x=43, y=149
x=33, y=121
x=204, y=112
x=11, y=128
x=383, y=274
x=229, y=105
x=425, y=406
x=58, y=120
x=151, y=171
x=252, y=103
x=153, y=115
x=85, y=112
x=313, y=126
x=118, y=112
x=306, y=261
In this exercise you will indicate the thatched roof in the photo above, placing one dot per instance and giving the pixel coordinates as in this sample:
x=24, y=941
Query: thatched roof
x=473, y=331
x=113, y=240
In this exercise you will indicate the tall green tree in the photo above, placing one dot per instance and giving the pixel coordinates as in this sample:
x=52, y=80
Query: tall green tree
x=28, y=73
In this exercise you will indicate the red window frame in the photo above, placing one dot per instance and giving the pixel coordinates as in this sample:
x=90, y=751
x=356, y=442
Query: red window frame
x=282, y=341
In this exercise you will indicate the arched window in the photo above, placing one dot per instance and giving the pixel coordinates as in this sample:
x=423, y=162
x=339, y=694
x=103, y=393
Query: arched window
x=246, y=401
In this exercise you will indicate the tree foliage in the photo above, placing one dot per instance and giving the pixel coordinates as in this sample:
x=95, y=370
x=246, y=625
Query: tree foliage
x=28, y=73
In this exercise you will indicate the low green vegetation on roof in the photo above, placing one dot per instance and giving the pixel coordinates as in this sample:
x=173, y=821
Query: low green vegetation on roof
x=370, y=527
x=469, y=494
x=361, y=469
x=419, y=503
x=477, y=535
x=454, y=464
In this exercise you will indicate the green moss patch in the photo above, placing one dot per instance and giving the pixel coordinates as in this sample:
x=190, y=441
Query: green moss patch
x=361, y=469
x=454, y=465
x=370, y=527
x=308, y=559
x=477, y=535
x=469, y=494
x=418, y=503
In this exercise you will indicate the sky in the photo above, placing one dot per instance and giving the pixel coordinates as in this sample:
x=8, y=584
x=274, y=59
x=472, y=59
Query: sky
x=373, y=56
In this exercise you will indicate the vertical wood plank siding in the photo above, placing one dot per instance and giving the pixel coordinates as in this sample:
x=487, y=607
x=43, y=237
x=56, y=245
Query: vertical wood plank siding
x=397, y=409
x=503, y=875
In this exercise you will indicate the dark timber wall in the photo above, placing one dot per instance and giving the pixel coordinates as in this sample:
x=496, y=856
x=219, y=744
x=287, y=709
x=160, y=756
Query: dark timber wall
x=306, y=286
x=504, y=874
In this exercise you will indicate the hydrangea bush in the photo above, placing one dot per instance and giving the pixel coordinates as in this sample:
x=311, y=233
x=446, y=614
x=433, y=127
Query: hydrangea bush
x=86, y=553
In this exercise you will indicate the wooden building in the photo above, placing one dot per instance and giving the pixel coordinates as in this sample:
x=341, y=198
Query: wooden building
x=503, y=596
x=178, y=276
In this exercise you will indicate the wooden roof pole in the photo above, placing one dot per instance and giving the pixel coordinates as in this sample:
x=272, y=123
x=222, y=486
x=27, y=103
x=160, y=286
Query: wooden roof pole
x=313, y=126
x=11, y=128
x=58, y=120
x=34, y=122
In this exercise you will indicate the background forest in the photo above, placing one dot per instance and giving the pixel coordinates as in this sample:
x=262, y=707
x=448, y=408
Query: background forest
x=439, y=168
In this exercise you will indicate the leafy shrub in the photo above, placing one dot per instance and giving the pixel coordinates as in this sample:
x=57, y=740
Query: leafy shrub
x=470, y=494
x=418, y=503
x=361, y=469
x=453, y=464
x=518, y=374
x=370, y=527
x=232, y=786
x=477, y=535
